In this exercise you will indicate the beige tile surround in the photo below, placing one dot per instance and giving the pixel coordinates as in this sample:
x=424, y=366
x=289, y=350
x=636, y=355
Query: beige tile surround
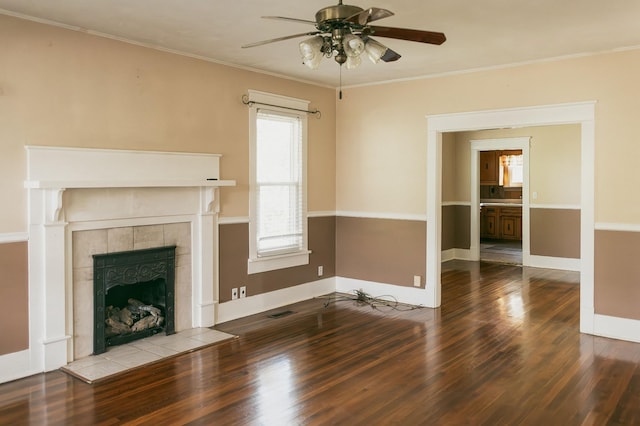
x=111, y=240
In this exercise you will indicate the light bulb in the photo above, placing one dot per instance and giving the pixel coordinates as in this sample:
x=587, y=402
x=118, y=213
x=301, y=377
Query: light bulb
x=353, y=45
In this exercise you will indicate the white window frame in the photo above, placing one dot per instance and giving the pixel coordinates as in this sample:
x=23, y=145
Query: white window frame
x=287, y=106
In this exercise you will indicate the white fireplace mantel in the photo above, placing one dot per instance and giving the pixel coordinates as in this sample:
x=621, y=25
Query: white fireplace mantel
x=57, y=184
x=72, y=188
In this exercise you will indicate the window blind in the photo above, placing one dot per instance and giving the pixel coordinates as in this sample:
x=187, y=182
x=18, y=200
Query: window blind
x=279, y=184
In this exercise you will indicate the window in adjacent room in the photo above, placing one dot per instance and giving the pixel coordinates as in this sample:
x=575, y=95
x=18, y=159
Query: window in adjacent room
x=277, y=210
x=511, y=170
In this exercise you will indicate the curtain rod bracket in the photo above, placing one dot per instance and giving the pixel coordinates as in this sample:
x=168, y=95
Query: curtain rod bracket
x=246, y=101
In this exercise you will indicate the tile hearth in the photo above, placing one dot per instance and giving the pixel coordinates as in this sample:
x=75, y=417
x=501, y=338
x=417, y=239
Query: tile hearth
x=121, y=358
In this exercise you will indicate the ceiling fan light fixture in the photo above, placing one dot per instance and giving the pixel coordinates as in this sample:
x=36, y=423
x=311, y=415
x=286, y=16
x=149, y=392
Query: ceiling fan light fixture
x=375, y=51
x=352, y=62
x=311, y=51
x=313, y=63
x=342, y=32
x=353, y=45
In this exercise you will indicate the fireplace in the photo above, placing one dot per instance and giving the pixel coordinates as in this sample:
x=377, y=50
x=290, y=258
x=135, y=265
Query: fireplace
x=133, y=295
x=107, y=196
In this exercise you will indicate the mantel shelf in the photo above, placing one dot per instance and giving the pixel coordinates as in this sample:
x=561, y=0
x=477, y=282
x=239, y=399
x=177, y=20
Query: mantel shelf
x=53, y=184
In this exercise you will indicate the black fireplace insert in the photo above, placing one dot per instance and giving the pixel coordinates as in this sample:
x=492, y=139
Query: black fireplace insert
x=133, y=295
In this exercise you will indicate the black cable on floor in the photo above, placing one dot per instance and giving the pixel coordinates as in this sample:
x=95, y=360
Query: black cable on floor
x=362, y=298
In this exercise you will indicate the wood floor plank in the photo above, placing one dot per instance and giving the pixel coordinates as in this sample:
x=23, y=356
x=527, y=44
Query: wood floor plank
x=504, y=348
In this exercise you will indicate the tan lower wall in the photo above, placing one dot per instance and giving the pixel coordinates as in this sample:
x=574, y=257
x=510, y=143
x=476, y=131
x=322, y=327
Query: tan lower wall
x=234, y=252
x=456, y=227
x=381, y=250
x=555, y=232
x=14, y=297
x=616, y=285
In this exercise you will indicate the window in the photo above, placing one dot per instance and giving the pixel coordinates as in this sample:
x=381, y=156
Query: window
x=511, y=170
x=277, y=208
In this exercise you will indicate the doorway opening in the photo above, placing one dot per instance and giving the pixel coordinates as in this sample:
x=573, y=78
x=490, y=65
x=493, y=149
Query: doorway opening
x=579, y=113
x=499, y=199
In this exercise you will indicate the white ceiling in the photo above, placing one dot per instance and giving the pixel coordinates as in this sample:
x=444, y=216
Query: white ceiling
x=480, y=33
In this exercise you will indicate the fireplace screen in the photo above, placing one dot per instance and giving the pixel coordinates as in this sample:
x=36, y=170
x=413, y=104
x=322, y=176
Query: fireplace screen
x=133, y=295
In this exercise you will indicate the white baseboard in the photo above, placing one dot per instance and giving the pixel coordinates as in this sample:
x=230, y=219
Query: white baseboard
x=447, y=255
x=617, y=328
x=455, y=253
x=408, y=295
x=16, y=366
x=251, y=305
x=548, y=262
x=562, y=263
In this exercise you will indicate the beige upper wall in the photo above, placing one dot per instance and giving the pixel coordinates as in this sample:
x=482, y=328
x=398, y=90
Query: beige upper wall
x=381, y=138
x=554, y=160
x=65, y=88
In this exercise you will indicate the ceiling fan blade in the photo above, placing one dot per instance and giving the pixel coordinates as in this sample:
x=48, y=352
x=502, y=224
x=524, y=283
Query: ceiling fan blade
x=390, y=56
x=430, y=37
x=284, y=18
x=369, y=15
x=273, y=40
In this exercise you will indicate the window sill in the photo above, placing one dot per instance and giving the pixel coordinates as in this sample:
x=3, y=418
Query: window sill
x=271, y=263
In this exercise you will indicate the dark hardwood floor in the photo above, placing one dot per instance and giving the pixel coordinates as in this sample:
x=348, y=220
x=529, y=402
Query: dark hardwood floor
x=504, y=349
x=502, y=251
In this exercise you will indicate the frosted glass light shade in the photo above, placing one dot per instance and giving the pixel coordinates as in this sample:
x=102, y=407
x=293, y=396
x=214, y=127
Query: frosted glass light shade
x=353, y=45
x=311, y=51
x=374, y=50
x=352, y=62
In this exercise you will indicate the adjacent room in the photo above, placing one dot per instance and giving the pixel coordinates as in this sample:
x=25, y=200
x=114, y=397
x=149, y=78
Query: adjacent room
x=319, y=213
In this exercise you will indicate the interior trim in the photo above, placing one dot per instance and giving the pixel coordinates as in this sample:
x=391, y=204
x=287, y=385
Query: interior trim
x=580, y=112
x=549, y=262
x=456, y=203
x=14, y=237
x=624, y=227
x=379, y=215
x=556, y=206
x=250, y=305
x=617, y=328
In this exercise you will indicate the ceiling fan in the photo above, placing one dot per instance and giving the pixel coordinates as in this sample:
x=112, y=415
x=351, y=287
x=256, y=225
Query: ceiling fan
x=345, y=30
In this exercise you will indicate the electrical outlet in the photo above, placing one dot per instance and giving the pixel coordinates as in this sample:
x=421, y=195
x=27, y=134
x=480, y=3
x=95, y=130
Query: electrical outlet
x=243, y=291
x=417, y=280
x=234, y=293
x=320, y=270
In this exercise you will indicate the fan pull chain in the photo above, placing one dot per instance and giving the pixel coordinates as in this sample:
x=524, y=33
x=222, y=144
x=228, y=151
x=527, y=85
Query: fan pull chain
x=340, y=92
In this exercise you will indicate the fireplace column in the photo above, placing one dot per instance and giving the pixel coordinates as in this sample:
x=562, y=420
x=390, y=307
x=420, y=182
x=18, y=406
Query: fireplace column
x=206, y=277
x=49, y=341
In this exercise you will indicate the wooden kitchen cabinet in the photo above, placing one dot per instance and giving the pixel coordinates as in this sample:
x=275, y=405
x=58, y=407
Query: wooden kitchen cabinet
x=489, y=167
x=501, y=223
x=510, y=223
x=489, y=222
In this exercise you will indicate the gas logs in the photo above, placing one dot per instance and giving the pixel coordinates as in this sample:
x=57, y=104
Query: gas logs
x=136, y=316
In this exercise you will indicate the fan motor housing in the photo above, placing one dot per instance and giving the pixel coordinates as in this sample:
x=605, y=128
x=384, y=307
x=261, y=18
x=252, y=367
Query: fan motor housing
x=335, y=13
